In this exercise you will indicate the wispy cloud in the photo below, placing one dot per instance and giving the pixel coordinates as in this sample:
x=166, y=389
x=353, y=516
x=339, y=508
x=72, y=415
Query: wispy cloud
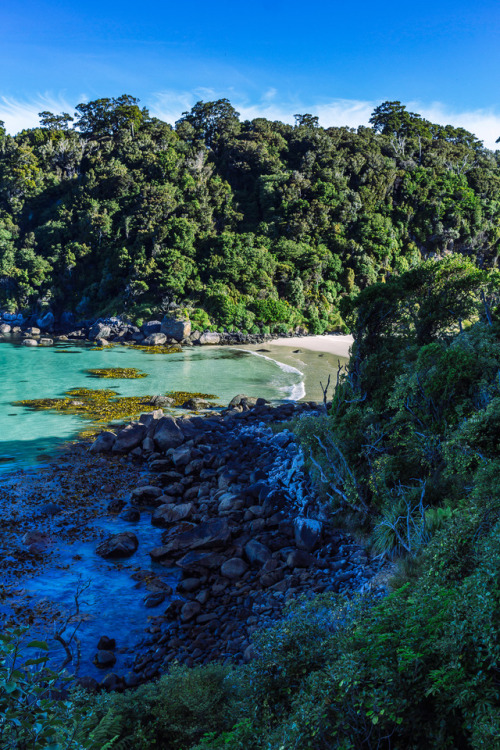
x=484, y=123
x=169, y=105
x=23, y=113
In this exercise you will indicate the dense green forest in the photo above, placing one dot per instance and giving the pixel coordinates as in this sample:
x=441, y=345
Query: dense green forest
x=253, y=225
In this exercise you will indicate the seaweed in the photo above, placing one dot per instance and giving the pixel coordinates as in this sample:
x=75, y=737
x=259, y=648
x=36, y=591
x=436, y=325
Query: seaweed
x=104, y=406
x=169, y=349
x=127, y=373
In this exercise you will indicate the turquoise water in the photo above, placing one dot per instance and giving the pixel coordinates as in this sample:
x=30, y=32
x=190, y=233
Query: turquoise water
x=45, y=372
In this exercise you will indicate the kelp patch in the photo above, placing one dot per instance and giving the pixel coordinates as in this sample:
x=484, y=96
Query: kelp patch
x=127, y=373
x=104, y=406
x=171, y=349
x=180, y=397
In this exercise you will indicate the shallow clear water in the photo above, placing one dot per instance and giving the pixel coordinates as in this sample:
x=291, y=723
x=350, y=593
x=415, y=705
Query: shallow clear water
x=45, y=372
x=113, y=604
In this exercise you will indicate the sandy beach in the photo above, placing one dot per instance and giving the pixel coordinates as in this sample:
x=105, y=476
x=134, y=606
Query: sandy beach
x=338, y=345
x=315, y=357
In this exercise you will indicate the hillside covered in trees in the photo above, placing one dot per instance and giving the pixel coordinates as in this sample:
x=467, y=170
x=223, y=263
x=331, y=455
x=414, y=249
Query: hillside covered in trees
x=253, y=225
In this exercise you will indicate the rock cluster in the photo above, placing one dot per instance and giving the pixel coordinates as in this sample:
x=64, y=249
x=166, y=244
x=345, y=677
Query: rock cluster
x=170, y=330
x=230, y=494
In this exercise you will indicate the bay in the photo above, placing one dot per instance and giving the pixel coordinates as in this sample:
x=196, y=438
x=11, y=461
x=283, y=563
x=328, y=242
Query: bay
x=26, y=437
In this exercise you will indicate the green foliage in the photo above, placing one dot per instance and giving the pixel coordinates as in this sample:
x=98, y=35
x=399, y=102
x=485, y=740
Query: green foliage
x=257, y=223
x=172, y=713
x=32, y=713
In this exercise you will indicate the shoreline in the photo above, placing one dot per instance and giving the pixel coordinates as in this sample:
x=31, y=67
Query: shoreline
x=315, y=357
x=338, y=345
x=214, y=546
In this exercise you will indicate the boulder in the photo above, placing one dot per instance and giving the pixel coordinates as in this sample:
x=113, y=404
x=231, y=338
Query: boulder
x=106, y=644
x=116, y=505
x=298, y=558
x=46, y=322
x=210, y=337
x=199, y=562
x=161, y=401
x=190, y=610
x=242, y=400
x=130, y=437
x=5, y=328
x=175, y=328
x=151, y=417
x=168, y=434
x=181, y=456
x=152, y=326
x=196, y=404
x=154, y=599
x=307, y=532
x=104, y=442
x=99, y=331
x=104, y=659
x=131, y=514
x=167, y=514
x=209, y=534
x=155, y=339
x=30, y=342
x=234, y=568
x=147, y=495
x=257, y=553
x=33, y=331
x=46, y=342
x=229, y=502
x=188, y=585
x=118, y=545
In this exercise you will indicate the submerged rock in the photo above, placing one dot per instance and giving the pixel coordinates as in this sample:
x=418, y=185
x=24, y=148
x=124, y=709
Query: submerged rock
x=104, y=659
x=118, y=545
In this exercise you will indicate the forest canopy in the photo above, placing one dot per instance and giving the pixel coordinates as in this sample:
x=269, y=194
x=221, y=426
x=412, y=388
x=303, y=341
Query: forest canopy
x=251, y=225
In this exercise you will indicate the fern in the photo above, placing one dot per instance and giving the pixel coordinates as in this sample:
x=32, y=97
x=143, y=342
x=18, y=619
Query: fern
x=105, y=735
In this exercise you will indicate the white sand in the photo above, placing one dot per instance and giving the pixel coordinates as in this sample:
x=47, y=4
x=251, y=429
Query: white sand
x=338, y=345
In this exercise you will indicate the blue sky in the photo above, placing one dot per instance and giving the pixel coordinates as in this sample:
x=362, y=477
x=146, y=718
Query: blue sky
x=334, y=59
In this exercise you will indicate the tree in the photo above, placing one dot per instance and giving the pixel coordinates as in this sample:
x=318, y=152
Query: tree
x=306, y=121
x=105, y=117
x=212, y=121
x=50, y=121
